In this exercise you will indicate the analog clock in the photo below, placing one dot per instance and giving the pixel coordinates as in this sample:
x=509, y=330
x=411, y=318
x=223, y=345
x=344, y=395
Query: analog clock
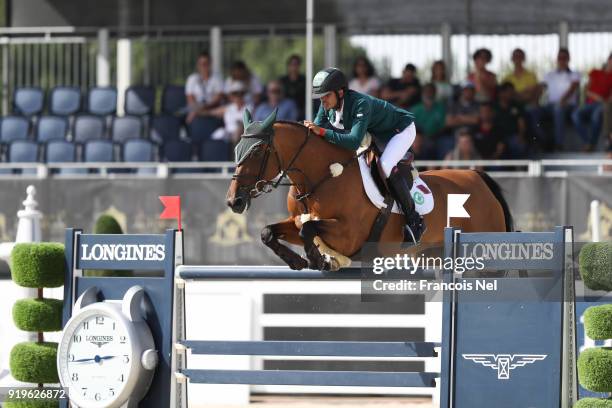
x=107, y=357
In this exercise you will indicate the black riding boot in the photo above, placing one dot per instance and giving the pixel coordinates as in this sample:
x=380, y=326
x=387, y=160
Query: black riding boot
x=400, y=187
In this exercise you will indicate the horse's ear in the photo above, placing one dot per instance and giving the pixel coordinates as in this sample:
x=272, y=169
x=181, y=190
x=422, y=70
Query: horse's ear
x=246, y=118
x=270, y=119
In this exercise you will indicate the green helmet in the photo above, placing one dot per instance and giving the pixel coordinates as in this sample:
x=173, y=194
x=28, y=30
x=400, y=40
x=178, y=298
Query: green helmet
x=328, y=80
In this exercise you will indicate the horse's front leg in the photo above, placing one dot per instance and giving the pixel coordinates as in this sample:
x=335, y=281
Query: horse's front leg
x=287, y=231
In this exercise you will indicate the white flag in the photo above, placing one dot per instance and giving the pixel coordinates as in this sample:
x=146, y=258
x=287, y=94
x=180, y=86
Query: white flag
x=454, y=207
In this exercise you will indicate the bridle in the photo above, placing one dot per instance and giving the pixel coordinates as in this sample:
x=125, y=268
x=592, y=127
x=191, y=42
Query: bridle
x=263, y=186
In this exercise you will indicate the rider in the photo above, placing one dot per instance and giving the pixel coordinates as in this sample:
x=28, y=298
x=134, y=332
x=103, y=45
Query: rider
x=345, y=116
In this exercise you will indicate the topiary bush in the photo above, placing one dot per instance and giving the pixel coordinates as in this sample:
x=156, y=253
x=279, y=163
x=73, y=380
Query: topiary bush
x=593, y=403
x=39, y=315
x=32, y=404
x=596, y=265
x=38, y=265
x=598, y=322
x=34, y=362
x=595, y=369
x=107, y=224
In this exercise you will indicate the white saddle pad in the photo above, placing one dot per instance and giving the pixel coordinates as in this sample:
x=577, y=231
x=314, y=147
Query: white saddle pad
x=421, y=194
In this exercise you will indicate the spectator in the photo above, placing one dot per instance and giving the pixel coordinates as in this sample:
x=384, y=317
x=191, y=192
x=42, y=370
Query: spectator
x=240, y=72
x=422, y=148
x=231, y=113
x=562, y=86
x=203, y=89
x=294, y=84
x=488, y=139
x=464, y=147
x=484, y=80
x=510, y=120
x=598, y=94
x=439, y=77
x=286, y=107
x=429, y=115
x=464, y=112
x=405, y=91
x=364, y=77
x=525, y=82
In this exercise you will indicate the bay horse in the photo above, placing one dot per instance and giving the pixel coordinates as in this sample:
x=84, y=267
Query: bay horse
x=331, y=216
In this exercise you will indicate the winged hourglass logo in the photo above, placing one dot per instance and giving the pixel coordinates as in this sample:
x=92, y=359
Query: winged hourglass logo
x=503, y=363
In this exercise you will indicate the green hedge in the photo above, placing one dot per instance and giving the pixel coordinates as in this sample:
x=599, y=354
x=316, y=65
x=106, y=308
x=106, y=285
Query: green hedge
x=598, y=322
x=38, y=315
x=595, y=369
x=34, y=362
x=38, y=265
x=593, y=403
x=32, y=404
x=596, y=265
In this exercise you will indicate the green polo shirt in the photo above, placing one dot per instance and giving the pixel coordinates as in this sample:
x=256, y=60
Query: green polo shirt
x=430, y=121
x=360, y=114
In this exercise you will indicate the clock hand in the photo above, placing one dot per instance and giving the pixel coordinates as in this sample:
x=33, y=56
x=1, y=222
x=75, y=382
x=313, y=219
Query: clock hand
x=96, y=359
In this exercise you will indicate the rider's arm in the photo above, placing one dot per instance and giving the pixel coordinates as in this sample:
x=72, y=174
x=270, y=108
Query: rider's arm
x=351, y=139
x=321, y=119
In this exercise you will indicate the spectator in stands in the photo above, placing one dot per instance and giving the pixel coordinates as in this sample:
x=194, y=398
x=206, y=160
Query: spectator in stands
x=562, y=86
x=294, y=84
x=464, y=112
x=231, y=113
x=364, y=77
x=203, y=89
x=488, y=139
x=429, y=115
x=439, y=77
x=287, y=110
x=464, y=146
x=511, y=121
x=405, y=91
x=525, y=82
x=484, y=80
x=598, y=94
x=422, y=148
x=240, y=72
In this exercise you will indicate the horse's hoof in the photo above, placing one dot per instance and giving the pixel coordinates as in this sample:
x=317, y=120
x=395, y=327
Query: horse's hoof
x=298, y=264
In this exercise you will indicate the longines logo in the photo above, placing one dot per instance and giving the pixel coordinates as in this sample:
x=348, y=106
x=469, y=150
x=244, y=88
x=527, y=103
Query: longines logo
x=231, y=229
x=510, y=251
x=123, y=252
x=99, y=340
x=503, y=363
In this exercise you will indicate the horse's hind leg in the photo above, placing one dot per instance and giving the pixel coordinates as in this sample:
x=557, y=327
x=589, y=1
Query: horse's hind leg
x=287, y=231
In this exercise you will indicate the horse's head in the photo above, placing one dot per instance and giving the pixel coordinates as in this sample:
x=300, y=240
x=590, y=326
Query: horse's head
x=256, y=160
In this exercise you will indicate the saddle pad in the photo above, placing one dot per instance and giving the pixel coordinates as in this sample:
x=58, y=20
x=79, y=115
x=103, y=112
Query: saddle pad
x=421, y=194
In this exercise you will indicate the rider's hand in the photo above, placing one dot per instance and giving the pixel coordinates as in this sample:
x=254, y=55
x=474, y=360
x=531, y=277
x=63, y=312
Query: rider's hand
x=314, y=128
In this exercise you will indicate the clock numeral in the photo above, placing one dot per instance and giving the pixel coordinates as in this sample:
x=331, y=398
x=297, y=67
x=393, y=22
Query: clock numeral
x=113, y=325
x=111, y=392
x=75, y=377
x=99, y=320
x=71, y=357
x=76, y=338
x=85, y=325
x=98, y=397
x=84, y=390
x=122, y=339
x=121, y=378
x=126, y=359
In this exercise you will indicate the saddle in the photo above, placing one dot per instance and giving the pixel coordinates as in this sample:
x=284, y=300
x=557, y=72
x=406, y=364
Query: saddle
x=405, y=167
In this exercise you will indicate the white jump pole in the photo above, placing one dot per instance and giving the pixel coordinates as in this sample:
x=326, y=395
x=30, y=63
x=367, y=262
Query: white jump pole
x=595, y=221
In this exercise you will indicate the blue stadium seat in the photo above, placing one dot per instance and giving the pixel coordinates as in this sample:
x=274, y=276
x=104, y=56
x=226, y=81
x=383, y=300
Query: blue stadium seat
x=51, y=128
x=125, y=128
x=65, y=100
x=164, y=128
x=23, y=151
x=14, y=128
x=173, y=99
x=102, y=101
x=214, y=150
x=87, y=127
x=203, y=127
x=98, y=151
x=61, y=151
x=139, y=100
x=28, y=101
x=138, y=150
x=177, y=151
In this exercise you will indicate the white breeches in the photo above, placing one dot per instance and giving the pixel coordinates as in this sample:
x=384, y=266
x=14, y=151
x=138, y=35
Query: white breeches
x=396, y=148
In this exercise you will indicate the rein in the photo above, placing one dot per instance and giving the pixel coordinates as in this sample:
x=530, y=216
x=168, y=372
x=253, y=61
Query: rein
x=263, y=186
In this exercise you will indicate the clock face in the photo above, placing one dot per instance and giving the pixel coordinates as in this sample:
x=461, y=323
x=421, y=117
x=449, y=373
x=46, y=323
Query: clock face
x=97, y=360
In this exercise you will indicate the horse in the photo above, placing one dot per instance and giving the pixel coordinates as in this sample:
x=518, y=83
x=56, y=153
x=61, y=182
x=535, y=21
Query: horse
x=330, y=214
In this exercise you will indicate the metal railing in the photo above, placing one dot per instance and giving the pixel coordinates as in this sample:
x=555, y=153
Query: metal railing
x=224, y=170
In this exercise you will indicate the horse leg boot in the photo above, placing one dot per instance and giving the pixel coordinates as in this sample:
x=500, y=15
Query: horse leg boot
x=400, y=187
x=284, y=230
x=315, y=259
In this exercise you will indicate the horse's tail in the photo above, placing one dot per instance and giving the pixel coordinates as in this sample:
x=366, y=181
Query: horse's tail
x=497, y=192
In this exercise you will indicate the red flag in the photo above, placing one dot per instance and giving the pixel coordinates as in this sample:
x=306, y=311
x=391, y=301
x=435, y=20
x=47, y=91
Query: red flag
x=172, y=208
